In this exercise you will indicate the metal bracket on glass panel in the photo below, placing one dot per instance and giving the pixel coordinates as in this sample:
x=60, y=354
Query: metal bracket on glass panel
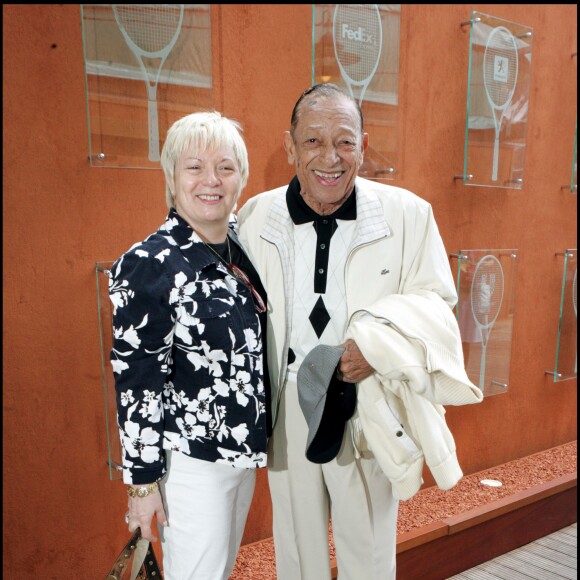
x=510, y=254
x=517, y=181
x=499, y=383
x=469, y=22
x=464, y=178
x=114, y=465
x=387, y=171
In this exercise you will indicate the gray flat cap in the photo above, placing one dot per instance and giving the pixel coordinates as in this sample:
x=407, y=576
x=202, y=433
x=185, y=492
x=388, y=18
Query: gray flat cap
x=326, y=402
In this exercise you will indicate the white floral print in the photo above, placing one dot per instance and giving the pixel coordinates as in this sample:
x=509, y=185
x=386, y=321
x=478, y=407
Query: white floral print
x=187, y=357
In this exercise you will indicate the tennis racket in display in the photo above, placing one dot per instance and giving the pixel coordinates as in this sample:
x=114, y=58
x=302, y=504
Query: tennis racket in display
x=500, y=76
x=486, y=299
x=150, y=31
x=357, y=34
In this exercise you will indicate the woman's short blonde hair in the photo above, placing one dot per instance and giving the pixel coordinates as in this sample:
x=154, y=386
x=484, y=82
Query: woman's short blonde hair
x=201, y=132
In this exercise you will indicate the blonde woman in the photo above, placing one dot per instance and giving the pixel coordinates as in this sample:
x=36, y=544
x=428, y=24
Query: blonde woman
x=187, y=357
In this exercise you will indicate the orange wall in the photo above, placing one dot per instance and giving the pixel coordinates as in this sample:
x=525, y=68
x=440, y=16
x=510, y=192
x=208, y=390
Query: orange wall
x=63, y=518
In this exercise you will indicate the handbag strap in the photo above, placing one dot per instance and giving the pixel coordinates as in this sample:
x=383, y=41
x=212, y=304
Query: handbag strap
x=144, y=560
x=139, y=557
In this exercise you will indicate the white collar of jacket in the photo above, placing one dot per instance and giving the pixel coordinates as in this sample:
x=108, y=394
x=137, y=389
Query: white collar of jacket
x=370, y=222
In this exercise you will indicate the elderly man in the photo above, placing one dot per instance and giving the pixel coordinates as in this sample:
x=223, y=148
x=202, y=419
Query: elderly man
x=327, y=245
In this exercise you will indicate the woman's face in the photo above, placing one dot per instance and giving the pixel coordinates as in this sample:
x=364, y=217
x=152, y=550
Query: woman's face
x=206, y=186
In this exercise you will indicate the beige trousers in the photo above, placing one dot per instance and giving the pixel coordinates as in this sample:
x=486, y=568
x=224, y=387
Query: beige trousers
x=353, y=492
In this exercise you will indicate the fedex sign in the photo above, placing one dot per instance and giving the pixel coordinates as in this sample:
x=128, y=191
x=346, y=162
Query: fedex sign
x=359, y=34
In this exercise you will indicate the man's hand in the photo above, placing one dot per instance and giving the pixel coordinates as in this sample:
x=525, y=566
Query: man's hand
x=353, y=367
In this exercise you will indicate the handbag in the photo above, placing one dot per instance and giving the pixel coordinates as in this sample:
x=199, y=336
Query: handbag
x=144, y=567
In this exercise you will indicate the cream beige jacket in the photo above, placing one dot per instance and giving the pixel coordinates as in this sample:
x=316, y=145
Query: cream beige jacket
x=396, y=249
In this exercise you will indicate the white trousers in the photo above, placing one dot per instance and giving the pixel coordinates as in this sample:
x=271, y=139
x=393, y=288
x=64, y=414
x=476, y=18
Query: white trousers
x=206, y=506
x=353, y=492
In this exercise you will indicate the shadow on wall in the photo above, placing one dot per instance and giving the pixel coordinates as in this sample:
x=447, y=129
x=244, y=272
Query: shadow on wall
x=278, y=170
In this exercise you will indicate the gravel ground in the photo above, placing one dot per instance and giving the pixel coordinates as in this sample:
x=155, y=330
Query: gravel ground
x=256, y=561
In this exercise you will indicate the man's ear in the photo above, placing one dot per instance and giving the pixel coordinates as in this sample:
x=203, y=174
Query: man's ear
x=289, y=147
x=365, y=142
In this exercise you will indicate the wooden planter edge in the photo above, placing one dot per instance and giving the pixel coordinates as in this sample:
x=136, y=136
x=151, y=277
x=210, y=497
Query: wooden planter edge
x=480, y=514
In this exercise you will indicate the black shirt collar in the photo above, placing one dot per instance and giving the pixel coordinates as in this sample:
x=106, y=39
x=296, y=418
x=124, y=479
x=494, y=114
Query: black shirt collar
x=301, y=213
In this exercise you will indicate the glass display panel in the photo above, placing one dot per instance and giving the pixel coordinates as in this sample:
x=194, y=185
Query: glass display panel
x=573, y=180
x=356, y=46
x=146, y=65
x=486, y=286
x=500, y=62
x=566, y=366
x=105, y=308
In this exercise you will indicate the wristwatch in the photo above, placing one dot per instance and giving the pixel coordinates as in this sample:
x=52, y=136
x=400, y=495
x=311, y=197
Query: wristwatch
x=142, y=490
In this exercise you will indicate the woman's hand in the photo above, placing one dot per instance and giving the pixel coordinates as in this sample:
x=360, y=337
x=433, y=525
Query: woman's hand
x=141, y=512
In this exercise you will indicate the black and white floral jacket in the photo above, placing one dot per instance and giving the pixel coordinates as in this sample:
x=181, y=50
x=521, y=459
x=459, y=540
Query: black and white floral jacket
x=187, y=356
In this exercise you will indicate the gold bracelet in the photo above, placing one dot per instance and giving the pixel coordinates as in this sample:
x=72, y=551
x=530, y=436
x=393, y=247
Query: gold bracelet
x=142, y=490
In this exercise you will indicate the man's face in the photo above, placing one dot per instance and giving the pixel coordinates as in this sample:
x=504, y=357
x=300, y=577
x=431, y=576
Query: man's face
x=327, y=150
